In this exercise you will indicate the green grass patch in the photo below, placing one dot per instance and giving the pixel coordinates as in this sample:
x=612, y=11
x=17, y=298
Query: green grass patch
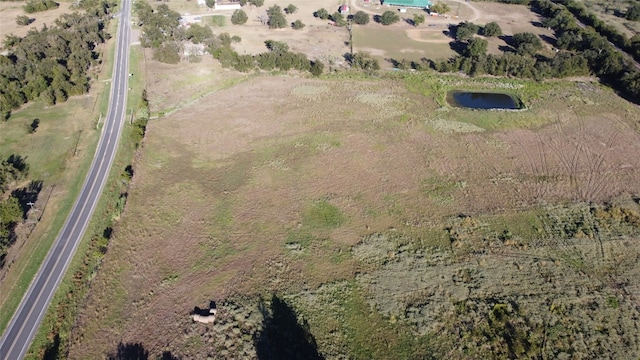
x=216, y=20
x=322, y=214
x=441, y=190
x=397, y=45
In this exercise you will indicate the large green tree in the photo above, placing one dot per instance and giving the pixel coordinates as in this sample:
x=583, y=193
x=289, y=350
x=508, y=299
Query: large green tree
x=465, y=30
x=476, y=47
x=492, y=29
x=276, y=18
x=389, y=17
x=633, y=12
x=361, y=18
x=526, y=43
x=440, y=8
x=239, y=17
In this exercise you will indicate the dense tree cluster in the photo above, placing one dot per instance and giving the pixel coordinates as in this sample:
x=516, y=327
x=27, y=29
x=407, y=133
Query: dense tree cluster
x=51, y=63
x=602, y=58
x=580, y=11
x=278, y=57
x=159, y=25
x=363, y=61
x=633, y=12
x=580, y=52
x=12, y=169
x=33, y=6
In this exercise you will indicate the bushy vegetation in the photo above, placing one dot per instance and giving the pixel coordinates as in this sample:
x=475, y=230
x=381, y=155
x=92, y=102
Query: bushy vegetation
x=51, y=63
x=256, y=3
x=418, y=19
x=338, y=19
x=440, y=8
x=290, y=9
x=491, y=29
x=363, y=61
x=297, y=25
x=361, y=18
x=33, y=6
x=23, y=20
x=12, y=169
x=159, y=30
x=239, y=17
x=322, y=14
x=602, y=58
x=633, y=12
x=277, y=58
x=581, y=52
x=388, y=17
x=276, y=18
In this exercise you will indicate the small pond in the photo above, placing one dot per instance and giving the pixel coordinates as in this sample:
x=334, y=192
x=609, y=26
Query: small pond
x=481, y=100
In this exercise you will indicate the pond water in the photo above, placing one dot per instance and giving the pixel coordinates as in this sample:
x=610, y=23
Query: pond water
x=481, y=100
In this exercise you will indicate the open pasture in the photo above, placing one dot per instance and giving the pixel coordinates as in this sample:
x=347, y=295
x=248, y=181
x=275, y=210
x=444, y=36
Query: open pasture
x=265, y=186
x=10, y=10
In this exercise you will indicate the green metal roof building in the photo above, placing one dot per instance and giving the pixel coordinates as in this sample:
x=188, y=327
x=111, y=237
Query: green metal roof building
x=408, y=3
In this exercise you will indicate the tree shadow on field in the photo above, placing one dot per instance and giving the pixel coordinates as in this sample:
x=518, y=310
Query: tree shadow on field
x=28, y=195
x=282, y=336
x=51, y=353
x=136, y=351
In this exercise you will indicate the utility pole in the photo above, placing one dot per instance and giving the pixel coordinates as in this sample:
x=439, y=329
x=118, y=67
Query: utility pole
x=350, y=28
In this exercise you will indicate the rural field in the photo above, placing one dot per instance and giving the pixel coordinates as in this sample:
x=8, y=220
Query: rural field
x=9, y=10
x=351, y=215
x=364, y=217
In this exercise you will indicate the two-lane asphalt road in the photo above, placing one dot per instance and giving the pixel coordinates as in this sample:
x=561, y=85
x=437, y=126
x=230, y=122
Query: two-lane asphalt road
x=24, y=324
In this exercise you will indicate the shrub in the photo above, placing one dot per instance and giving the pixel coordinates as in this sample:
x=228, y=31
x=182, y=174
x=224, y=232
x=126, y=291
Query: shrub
x=389, y=17
x=276, y=18
x=440, y=8
x=361, y=18
x=322, y=14
x=290, y=9
x=39, y=5
x=239, y=17
x=316, y=68
x=338, y=19
x=492, y=29
x=23, y=20
x=297, y=25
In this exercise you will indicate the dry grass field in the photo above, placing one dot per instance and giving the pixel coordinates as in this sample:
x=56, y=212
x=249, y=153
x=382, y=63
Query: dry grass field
x=363, y=217
x=344, y=197
x=9, y=10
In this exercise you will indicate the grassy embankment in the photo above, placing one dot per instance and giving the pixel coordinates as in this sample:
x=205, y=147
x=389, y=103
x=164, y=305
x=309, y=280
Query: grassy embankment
x=57, y=324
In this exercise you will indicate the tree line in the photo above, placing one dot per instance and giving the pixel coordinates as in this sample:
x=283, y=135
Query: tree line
x=629, y=45
x=579, y=52
x=51, y=63
x=12, y=169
